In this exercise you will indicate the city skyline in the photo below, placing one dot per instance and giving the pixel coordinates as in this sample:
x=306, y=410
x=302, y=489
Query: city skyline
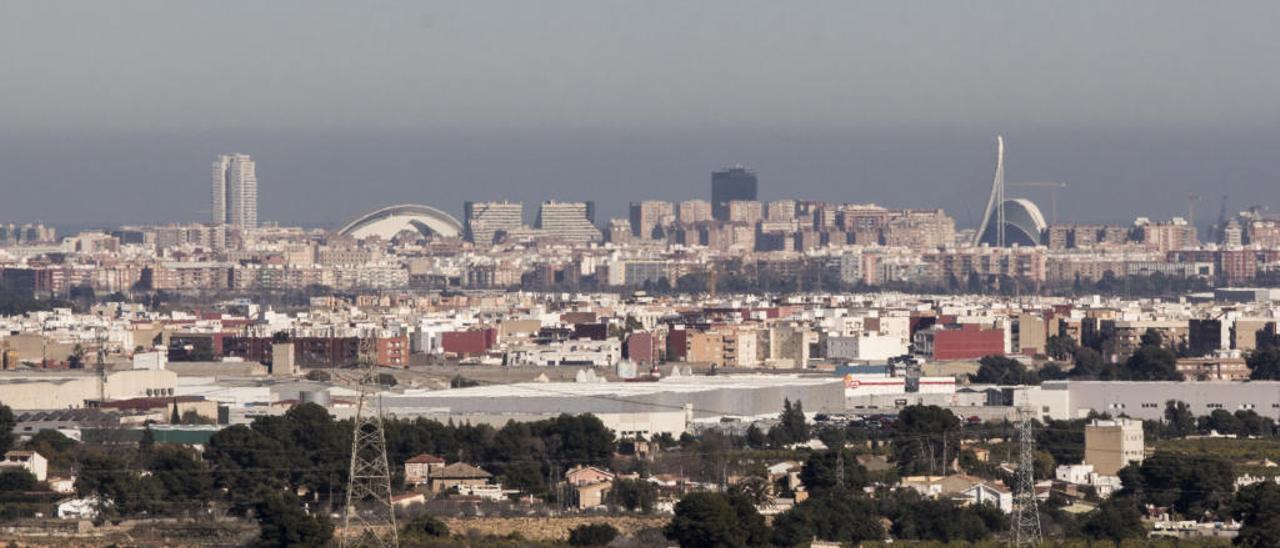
x=892, y=169
x=892, y=104
x=651, y=274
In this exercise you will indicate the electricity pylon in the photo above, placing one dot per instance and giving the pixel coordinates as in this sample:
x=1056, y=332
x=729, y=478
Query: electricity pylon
x=1026, y=516
x=369, y=518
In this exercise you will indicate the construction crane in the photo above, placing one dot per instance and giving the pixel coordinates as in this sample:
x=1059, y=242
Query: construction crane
x=1218, y=229
x=1192, y=200
x=1053, y=187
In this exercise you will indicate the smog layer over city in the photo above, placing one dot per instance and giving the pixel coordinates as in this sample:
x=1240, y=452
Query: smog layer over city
x=639, y=274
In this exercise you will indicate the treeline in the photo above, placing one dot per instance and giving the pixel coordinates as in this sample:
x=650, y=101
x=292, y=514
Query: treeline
x=1152, y=361
x=306, y=451
x=16, y=303
x=278, y=466
x=837, y=510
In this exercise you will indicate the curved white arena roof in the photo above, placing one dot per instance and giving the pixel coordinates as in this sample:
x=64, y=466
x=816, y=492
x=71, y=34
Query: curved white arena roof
x=388, y=221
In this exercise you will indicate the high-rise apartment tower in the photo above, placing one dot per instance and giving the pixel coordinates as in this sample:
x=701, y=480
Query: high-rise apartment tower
x=483, y=220
x=570, y=222
x=235, y=191
x=735, y=183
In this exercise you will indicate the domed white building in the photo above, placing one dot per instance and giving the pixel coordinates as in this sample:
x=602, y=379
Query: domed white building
x=389, y=221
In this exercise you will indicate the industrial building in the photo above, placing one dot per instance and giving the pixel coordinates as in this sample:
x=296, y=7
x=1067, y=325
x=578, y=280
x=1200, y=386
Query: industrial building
x=69, y=389
x=1146, y=400
x=670, y=405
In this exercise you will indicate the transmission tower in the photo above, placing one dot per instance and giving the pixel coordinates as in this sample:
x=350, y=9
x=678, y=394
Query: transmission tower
x=369, y=518
x=1026, y=517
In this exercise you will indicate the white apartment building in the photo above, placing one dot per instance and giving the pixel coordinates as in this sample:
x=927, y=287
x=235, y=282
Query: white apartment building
x=569, y=222
x=484, y=220
x=235, y=191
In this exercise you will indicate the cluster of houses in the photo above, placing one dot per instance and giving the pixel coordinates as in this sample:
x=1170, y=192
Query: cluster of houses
x=1109, y=446
x=430, y=475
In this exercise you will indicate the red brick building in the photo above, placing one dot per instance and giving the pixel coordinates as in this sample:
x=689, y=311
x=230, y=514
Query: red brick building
x=967, y=342
x=476, y=341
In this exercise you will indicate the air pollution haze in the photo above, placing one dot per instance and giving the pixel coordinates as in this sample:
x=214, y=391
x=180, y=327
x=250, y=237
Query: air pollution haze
x=324, y=178
x=112, y=113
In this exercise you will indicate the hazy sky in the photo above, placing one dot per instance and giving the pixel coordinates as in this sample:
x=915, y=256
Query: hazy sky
x=111, y=111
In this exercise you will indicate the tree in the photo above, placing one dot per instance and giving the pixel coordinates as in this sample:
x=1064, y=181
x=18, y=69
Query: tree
x=706, y=519
x=592, y=534
x=76, y=359
x=1060, y=347
x=1258, y=507
x=750, y=521
x=756, y=438
x=1116, y=519
x=1064, y=440
x=917, y=518
x=921, y=437
x=55, y=447
x=1222, y=422
x=17, y=480
x=111, y=478
x=1152, y=363
x=423, y=527
x=1152, y=338
x=792, y=528
x=791, y=427
x=50, y=441
x=634, y=495
x=318, y=375
x=7, y=423
x=836, y=516
x=1002, y=370
x=1088, y=364
x=182, y=477
x=1191, y=485
x=820, y=469
x=1264, y=364
x=1253, y=424
x=1052, y=371
x=1178, y=419
x=246, y=462
x=459, y=381
x=284, y=523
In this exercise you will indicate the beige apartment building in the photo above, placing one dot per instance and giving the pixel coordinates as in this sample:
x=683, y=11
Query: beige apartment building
x=1110, y=445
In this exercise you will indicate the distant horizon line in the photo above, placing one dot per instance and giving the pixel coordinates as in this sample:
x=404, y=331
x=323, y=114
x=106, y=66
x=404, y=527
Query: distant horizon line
x=90, y=132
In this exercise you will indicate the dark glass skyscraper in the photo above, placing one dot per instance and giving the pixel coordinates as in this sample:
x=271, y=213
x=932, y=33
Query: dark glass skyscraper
x=727, y=185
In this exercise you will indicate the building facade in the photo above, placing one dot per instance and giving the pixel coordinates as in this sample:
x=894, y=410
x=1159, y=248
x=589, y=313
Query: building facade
x=235, y=191
x=733, y=184
x=484, y=220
